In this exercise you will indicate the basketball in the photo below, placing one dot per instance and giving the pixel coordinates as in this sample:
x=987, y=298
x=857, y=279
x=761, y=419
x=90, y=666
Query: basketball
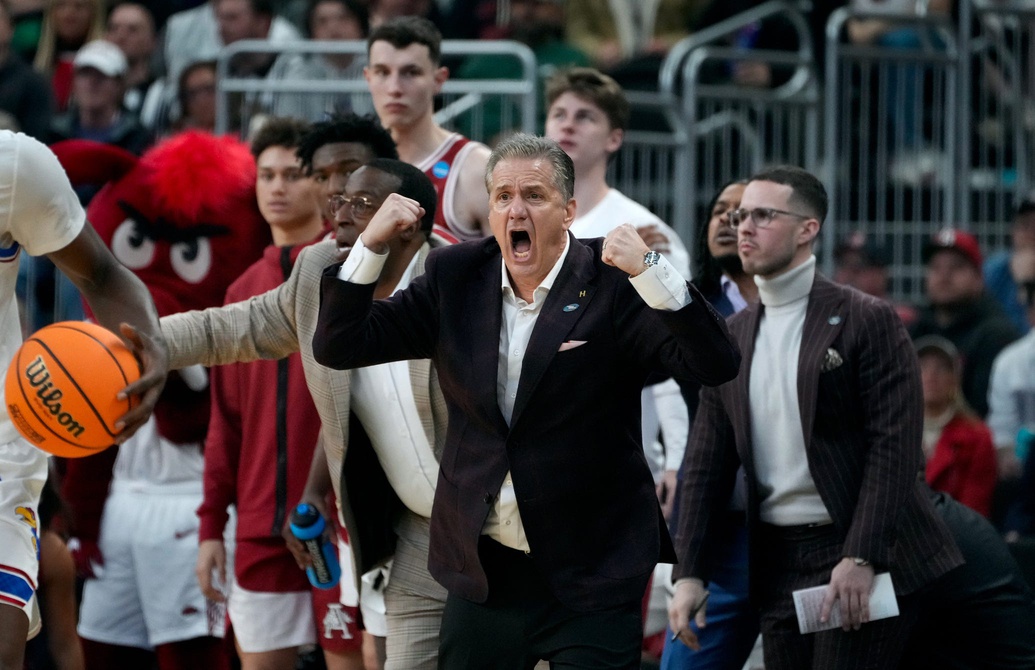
x=61, y=387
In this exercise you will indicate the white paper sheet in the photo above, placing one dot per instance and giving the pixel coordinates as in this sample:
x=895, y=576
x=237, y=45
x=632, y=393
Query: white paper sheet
x=808, y=603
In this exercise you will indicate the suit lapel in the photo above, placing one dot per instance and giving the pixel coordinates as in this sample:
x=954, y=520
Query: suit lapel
x=485, y=316
x=741, y=408
x=824, y=319
x=565, y=304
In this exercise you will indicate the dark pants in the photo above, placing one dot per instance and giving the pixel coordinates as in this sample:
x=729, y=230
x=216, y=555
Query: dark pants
x=981, y=614
x=522, y=623
x=802, y=557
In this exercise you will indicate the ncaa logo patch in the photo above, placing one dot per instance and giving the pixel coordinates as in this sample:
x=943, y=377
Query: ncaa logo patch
x=440, y=169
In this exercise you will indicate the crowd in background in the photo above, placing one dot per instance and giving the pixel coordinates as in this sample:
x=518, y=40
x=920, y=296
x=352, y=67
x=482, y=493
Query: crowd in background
x=131, y=74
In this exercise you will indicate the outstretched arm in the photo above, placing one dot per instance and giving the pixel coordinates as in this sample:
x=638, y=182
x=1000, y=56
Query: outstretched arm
x=121, y=303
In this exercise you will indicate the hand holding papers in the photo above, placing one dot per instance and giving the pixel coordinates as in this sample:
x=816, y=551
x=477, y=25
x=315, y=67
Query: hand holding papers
x=808, y=602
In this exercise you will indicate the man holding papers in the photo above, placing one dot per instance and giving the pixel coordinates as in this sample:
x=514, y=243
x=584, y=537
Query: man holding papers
x=826, y=418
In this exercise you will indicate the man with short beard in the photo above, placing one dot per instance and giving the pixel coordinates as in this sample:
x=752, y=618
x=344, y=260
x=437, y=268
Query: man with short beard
x=961, y=311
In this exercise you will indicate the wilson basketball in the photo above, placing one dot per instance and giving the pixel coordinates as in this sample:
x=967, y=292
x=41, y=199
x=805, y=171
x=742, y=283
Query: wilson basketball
x=61, y=387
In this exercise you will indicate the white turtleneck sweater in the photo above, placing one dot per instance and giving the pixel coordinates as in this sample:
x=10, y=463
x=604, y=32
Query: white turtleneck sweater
x=789, y=496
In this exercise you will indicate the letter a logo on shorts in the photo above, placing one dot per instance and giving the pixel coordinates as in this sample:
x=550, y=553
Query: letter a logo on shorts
x=336, y=619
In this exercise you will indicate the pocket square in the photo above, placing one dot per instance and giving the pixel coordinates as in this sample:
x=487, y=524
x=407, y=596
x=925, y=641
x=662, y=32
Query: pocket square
x=570, y=344
x=831, y=360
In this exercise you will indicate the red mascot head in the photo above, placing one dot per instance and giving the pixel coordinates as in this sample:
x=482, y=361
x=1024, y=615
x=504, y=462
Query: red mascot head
x=183, y=217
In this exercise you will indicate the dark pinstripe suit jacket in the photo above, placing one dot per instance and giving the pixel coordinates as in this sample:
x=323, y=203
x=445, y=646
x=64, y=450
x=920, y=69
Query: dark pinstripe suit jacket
x=862, y=420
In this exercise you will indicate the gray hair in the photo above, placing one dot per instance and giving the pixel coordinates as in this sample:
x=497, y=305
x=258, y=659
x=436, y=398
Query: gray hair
x=523, y=145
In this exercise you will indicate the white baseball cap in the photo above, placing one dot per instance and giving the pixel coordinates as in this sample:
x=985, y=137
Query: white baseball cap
x=102, y=56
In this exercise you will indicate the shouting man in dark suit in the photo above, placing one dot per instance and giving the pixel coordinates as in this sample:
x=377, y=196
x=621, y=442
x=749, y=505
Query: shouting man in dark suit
x=826, y=417
x=545, y=526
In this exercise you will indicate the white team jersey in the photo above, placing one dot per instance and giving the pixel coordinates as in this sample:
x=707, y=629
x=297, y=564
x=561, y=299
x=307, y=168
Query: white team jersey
x=615, y=209
x=39, y=212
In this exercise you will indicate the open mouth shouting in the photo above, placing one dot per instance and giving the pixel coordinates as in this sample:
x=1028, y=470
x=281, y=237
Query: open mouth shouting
x=520, y=244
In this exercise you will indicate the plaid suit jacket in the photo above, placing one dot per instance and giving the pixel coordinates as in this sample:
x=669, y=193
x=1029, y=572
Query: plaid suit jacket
x=861, y=411
x=281, y=322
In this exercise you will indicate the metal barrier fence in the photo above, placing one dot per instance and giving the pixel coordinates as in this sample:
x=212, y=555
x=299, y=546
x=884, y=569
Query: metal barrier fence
x=997, y=69
x=932, y=126
x=915, y=134
x=469, y=105
x=891, y=137
x=724, y=131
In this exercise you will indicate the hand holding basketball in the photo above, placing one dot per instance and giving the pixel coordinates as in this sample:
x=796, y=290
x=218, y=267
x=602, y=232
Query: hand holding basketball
x=154, y=359
x=73, y=386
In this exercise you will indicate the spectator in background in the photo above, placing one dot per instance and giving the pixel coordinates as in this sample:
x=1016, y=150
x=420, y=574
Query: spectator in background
x=404, y=73
x=327, y=20
x=27, y=17
x=629, y=38
x=957, y=445
x=998, y=276
x=959, y=310
x=194, y=35
x=330, y=153
x=1011, y=392
x=863, y=264
x=132, y=29
x=540, y=25
x=383, y=11
x=775, y=33
x=587, y=115
x=196, y=97
x=67, y=26
x=25, y=97
x=903, y=87
x=97, y=112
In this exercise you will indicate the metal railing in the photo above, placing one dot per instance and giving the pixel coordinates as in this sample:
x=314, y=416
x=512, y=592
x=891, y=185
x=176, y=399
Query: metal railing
x=463, y=100
x=724, y=131
x=891, y=137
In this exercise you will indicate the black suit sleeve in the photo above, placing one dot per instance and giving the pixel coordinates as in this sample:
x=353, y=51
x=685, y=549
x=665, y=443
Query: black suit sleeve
x=354, y=330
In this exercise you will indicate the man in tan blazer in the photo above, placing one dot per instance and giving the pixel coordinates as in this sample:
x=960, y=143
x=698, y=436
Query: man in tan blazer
x=826, y=419
x=282, y=321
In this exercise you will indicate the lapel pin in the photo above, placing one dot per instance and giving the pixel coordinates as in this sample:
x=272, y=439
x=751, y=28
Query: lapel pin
x=572, y=307
x=834, y=320
x=582, y=294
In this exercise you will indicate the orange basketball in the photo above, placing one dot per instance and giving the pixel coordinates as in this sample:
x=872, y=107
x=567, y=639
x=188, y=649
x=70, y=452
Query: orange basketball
x=61, y=387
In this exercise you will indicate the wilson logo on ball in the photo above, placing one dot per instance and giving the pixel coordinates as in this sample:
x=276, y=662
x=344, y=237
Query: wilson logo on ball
x=39, y=377
x=62, y=387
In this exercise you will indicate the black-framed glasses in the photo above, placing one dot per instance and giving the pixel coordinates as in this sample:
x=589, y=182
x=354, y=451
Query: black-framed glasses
x=760, y=216
x=360, y=204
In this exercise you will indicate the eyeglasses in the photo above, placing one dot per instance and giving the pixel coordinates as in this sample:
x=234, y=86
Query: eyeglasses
x=360, y=204
x=760, y=216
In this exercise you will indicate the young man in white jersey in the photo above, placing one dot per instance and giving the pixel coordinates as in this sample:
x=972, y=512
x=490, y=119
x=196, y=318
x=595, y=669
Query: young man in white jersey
x=404, y=75
x=587, y=114
x=40, y=212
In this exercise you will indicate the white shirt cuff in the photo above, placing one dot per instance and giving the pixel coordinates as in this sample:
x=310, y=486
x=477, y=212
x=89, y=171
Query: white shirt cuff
x=662, y=287
x=363, y=266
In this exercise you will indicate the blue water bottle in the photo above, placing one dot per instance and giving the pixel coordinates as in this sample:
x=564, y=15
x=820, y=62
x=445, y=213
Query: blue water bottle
x=307, y=525
x=1025, y=441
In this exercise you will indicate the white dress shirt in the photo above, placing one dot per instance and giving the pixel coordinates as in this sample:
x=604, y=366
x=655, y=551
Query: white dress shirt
x=660, y=286
x=382, y=398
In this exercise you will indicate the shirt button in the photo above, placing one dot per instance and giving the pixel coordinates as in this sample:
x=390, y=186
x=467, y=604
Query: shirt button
x=507, y=522
x=517, y=353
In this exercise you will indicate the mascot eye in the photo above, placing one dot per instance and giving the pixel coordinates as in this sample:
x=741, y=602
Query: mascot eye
x=192, y=260
x=133, y=249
